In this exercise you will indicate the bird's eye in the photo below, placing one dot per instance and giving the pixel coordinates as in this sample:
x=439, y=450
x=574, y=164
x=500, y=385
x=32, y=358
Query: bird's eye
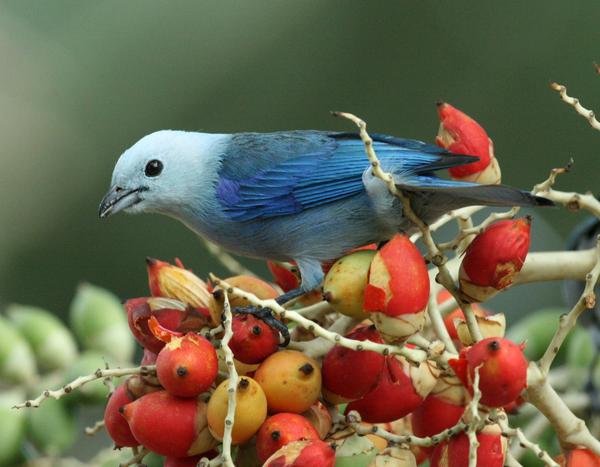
x=153, y=168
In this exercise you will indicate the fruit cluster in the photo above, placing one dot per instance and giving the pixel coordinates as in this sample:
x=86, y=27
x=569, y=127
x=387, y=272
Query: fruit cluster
x=38, y=351
x=284, y=398
x=177, y=327
x=346, y=392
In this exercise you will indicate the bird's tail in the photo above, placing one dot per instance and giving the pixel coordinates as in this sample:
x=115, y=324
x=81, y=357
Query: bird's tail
x=450, y=194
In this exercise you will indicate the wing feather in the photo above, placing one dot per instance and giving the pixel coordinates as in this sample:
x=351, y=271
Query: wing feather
x=266, y=175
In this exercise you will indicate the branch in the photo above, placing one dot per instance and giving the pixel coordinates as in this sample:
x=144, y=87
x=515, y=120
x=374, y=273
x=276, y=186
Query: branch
x=574, y=102
x=568, y=321
x=318, y=347
x=353, y=419
x=571, y=430
x=448, y=217
x=524, y=441
x=138, y=456
x=233, y=382
x=555, y=265
x=534, y=430
x=476, y=230
x=413, y=355
x=82, y=380
x=474, y=424
x=92, y=430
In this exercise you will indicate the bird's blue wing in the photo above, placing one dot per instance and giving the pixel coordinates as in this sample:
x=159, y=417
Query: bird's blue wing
x=265, y=175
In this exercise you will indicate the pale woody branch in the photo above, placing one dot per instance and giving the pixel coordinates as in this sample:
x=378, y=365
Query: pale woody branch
x=138, y=456
x=95, y=428
x=225, y=457
x=354, y=420
x=568, y=321
x=82, y=380
x=574, y=102
x=413, y=355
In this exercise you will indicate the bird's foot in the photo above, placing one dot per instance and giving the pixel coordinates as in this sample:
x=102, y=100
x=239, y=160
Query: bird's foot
x=266, y=315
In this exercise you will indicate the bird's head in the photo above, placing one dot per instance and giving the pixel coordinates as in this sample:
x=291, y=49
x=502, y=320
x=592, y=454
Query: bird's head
x=157, y=173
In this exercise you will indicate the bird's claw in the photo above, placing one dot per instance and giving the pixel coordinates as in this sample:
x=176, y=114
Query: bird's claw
x=266, y=315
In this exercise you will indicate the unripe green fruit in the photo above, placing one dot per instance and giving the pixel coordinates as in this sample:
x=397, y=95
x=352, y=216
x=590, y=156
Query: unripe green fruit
x=537, y=329
x=100, y=323
x=580, y=352
x=344, y=286
x=52, y=343
x=52, y=427
x=12, y=426
x=17, y=363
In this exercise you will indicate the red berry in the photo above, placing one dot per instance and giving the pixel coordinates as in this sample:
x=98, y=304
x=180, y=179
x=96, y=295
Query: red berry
x=170, y=314
x=281, y=429
x=400, y=390
x=115, y=424
x=435, y=415
x=284, y=276
x=398, y=289
x=455, y=452
x=579, y=458
x=460, y=134
x=187, y=366
x=398, y=279
x=352, y=373
x=170, y=426
x=502, y=370
x=253, y=340
x=493, y=258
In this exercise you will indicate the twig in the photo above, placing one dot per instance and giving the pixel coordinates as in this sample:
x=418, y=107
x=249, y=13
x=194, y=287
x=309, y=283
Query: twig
x=138, y=456
x=82, y=380
x=534, y=430
x=574, y=102
x=437, y=322
x=448, y=217
x=511, y=461
x=92, y=430
x=475, y=420
x=570, y=429
x=432, y=348
x=413, y=355
x=524, y=441
x=231, y=386
x=477, y=229
x=568, y=321
x=318, y=347
x=354, y=420
x=555, y=265
x=572, y=201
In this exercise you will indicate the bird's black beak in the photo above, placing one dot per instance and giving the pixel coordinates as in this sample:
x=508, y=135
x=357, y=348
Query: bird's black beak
x=118, y=199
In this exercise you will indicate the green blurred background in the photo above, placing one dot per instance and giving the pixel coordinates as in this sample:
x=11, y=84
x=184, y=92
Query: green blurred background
x=81, y=81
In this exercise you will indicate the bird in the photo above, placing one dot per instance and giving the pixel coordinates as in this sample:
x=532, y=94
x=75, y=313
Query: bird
x=303, y=196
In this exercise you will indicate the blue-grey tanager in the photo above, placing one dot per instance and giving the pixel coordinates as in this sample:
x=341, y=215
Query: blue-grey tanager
x=303, y=196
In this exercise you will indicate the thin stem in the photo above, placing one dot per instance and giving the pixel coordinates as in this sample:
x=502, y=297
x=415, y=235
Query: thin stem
x=82, y=380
